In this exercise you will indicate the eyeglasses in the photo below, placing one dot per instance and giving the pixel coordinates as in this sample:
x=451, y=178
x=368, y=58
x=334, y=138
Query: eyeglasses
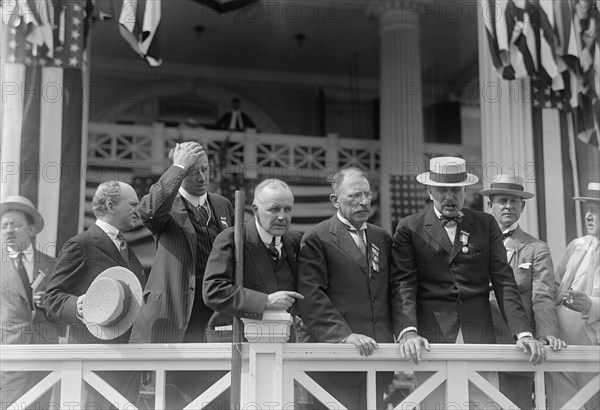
x=15, y=226
x=357, y=196
x=195, y=172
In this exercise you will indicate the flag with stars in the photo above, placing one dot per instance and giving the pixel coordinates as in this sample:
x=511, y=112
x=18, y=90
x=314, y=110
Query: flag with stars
x=42, y=113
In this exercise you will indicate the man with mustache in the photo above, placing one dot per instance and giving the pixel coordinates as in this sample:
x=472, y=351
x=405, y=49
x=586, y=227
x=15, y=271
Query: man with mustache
x=532, y=265
x=344, y=275
x=184, y=219
x=23, y=319
x=270, y=266
x=81, y=260
x=448, y=256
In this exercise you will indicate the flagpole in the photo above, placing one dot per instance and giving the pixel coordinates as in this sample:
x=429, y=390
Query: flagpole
x=237, y=337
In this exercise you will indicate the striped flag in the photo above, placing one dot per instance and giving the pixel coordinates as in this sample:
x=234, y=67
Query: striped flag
x=139, y=23
x=42, y=112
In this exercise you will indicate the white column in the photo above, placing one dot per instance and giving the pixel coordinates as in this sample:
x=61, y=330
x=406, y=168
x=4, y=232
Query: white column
x=506, y=129
x=262, y=373
x=401, y=107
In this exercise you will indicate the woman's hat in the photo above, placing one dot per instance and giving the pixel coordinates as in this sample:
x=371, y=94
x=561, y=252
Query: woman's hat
x=447, y=171
x=508, y=185
x=593, y=193
x=20, y=203
x=112, y=303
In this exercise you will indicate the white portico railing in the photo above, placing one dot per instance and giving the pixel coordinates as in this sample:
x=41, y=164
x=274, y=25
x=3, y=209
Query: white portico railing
x=270, y=369
x=145, y=148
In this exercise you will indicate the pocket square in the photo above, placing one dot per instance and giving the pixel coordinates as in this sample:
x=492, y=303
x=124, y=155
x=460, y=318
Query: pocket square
x=525, y=265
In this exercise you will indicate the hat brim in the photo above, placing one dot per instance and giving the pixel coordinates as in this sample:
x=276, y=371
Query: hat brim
x=500, y=191
x=38, y=221
x=425, y=179
x=586, y=199
x=124, y=324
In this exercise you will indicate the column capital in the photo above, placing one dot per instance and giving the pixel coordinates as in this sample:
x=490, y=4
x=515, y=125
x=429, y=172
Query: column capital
x=394, y=14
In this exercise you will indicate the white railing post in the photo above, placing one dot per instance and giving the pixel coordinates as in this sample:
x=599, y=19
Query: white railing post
x=158, y=148
x=71, y=385
x=262, y=373
x=331, y=156
x=250, y=166
x=457, y=385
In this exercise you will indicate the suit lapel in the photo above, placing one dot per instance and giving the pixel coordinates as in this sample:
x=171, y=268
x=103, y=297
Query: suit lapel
x=180, y=214
x=437, y=232
x=219, y=211
x=290, y=252
x=40, y=265
x=11, y=278
x=259, y=258
x=347, y=244
x=514, y=244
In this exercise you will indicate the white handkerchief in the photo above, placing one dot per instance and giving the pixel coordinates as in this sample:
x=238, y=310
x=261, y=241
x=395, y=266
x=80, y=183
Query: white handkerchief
x=525, y=265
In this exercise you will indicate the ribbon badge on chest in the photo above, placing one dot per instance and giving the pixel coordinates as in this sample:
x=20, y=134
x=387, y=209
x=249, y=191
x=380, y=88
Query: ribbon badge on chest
x=464, y=240
x=224, y=222
x=375, y=257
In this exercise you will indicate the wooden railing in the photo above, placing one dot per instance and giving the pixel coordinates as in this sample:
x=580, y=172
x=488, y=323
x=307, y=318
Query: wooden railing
x=272, y=368
x=145, y=148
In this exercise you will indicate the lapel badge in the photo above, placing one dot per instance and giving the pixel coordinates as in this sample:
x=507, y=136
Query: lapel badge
x=224, y=222
x=375, y=257
x=464, y=240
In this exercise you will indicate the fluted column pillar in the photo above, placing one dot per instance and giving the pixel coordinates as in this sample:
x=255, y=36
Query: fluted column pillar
x=506, y=128
x=401, y=108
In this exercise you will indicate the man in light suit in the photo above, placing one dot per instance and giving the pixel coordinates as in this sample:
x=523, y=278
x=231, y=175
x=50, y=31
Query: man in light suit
x=184, y=219
x=344, y=274
x=23, y=319
x=531, y=263
x=577, y=278
x=448, y=256
x=270, y=265
x=82, y=259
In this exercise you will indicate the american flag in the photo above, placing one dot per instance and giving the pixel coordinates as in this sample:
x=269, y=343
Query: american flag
x=557, y=45
x=42, y=111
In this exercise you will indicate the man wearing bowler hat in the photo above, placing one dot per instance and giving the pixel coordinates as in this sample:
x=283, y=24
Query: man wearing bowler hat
x=23, y=319
x=531, y=263
x=80, y=262
x=448, y=256
x=578, y=301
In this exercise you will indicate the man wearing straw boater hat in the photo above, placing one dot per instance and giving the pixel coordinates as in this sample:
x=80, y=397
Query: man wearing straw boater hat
x=96, y=285
x=532, y=265
x=578, y=300
x=448, y=256
x=23, y=319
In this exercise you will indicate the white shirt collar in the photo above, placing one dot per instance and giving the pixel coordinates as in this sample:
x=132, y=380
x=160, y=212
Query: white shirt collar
x=110, y=230
x=265, y=236
x=193, y=199
x=347, y=223
x=512, y=227
x=27, y=253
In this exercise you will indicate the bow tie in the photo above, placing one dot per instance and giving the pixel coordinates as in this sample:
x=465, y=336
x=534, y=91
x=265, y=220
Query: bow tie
x=507, y=234
x=445, y=220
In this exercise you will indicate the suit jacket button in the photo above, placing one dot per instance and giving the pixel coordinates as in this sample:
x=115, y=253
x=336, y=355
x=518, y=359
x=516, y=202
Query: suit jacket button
x=191, y=288
x=460, y=301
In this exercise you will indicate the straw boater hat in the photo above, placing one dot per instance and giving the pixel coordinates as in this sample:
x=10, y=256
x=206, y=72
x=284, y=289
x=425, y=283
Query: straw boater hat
x=112, y=303
x=447, y=171
x=593, y=193
x=507, y=185
x=20, y=203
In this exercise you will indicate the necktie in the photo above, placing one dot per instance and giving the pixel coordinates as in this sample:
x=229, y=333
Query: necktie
x=450, y=220
x=274, y=252
x=362, y=246
x=24, y=278
x=123, y=247
x=507, y=234
x=204, y=212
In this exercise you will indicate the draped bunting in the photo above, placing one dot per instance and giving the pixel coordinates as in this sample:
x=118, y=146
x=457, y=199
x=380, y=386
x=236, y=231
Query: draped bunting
x=557, y=45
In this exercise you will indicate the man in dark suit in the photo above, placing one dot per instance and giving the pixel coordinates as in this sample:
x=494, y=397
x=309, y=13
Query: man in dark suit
x=184, y=219
x=344, y=274
x=235, y=119
x=270, y=265
x=531, y=263
x=448, y=256
x=82, y=259
x=23, y=319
